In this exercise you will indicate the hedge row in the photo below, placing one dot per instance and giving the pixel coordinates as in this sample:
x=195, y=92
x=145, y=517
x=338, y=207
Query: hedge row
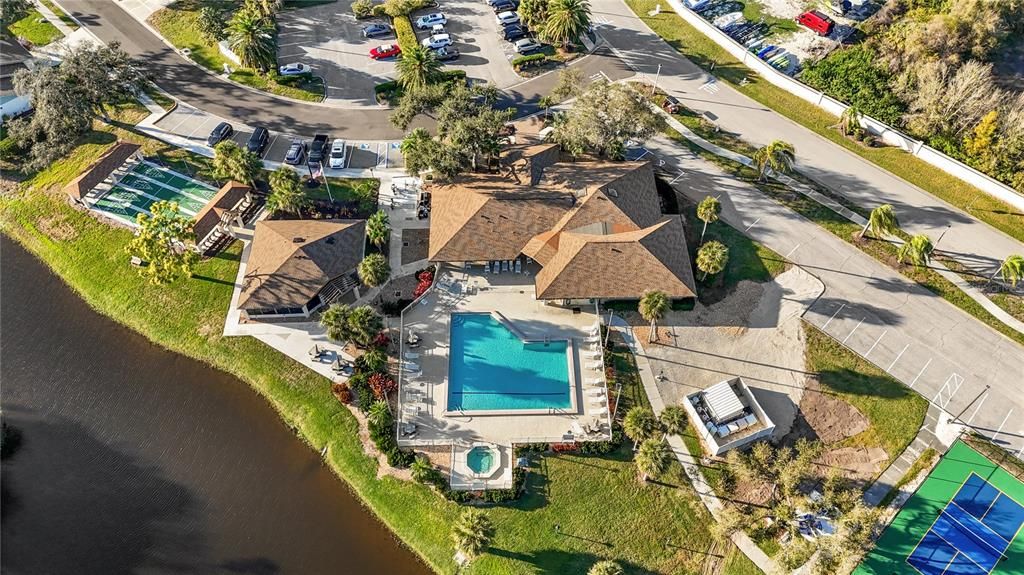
x=529, y=61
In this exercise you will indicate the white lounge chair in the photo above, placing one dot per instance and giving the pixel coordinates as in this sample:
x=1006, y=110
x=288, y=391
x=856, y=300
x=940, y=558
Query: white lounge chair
x=411, y=409
x=597, y=401
x=411, y=355
x=519, y=266
x=497, y=267
x=576, y=428
x=595, y=381
x=599, y=411
x=592, y=354
x=504, y=265
x=410, y=366
x=595, y=392
x=595, y=365
x=487, y=268
x=593, y=339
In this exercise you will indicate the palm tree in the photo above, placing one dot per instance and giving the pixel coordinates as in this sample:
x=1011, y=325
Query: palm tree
x=417, y=67
x=653, y=305
x=379, y=414
x=917, y=249
x=416, y=149
x=378, y=228
x=364, y=323
x=653, y=458
x=882, y=222
x=673, y=419
x=849, y=122
x=1012, y=269
x=335, y=320
x=712, y=257
x=777, y=157
x=286, y=194
x=567, y=20
x=708, y=210
x=231, y=162
x=422, y=470
x=606, y=568
x=472, y=533
x=545, y=102
x=374, y=270
x=639, y=424
x=374, y=360
x=251, y=36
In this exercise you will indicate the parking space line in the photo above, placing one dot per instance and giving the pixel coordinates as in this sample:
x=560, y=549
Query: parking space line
x=792, y=250
x=681, y=174
x=180, y=122
x=270, y=145
x=824, y=327
x=898, y=356
x=976, y=409
x=1000, y=430
x=747, y=229
x=874, y=344
x=929, y=362
x=853, y=330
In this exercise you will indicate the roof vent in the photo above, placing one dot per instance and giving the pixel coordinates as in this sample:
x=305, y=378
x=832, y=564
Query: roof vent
x=329, y=240
x=613, y=192
x=298, y=240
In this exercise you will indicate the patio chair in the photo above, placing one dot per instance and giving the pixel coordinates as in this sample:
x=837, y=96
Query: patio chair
x=519, y=266
x=410, y=366
x=597, y=401
x=487, y=268
x=411, y=355
x=411, y=409
x=595, y=392
x=593, y=339
x=600, y=411
x=595, y=365
x=593, y=354
x=504, y=265
x=497, y=267
x=576, y=428
x=595, y=381
x=316, y=351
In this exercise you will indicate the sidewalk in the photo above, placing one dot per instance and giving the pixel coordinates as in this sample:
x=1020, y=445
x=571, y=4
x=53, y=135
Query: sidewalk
x=54, y=19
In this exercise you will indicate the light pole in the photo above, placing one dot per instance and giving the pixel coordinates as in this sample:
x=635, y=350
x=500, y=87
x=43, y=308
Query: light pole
x=656, y=78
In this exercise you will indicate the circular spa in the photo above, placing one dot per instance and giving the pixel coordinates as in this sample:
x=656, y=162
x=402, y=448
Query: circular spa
x=481, y=460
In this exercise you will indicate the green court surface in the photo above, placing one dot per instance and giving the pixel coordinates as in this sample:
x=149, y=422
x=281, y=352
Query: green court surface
x=147, y=184
x=965, y=519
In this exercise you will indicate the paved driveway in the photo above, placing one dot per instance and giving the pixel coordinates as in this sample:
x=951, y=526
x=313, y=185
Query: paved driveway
x=329, y=38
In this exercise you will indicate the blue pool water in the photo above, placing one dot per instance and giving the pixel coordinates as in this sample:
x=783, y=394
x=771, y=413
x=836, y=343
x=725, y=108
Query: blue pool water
x=490, y=368
x=480, y=459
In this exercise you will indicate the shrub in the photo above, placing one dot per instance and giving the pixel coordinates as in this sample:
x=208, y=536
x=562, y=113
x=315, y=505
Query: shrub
x=531, y=448
x=385, y=87
x=603, y=447
x=342, y=392
x=361, y=389
x=499, y=495
x=378, y=10
x=381, y=340
x=362, y=8
x=382, y=385
x=400, y=458
x=456, y=496
x=853, y=76
x=523, y=62
x=404, y=32
x=373, y=361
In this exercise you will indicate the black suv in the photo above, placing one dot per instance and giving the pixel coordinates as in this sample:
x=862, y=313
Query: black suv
x=505, y=6
x=222, y=132
x=514, y=32
x=258, y=141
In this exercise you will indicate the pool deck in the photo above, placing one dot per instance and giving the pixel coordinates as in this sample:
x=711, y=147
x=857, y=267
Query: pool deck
x=423, y=397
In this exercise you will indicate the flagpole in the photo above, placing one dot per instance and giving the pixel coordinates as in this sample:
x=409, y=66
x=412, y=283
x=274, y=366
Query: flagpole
x=326, y=183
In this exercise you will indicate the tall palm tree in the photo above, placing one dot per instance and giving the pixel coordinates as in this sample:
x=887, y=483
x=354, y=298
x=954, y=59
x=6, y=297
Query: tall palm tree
x=653, y=458
x=639, y=424
x=653, y=305
x=917, y=249
x=545, y=102
x=364, y=323
x=415, y=150
x=251, y=36
x=231, y=162
x=421, y=469
x=417, y=67
x=712, y=258
x=374, y=270
x=777, y=157
x=567, y=20
x=673, y=419
x=335, y=320
x=472, y=533
x=378, y=228
x=849, y=121
x=708, y=210
x=286, y=194
x=606, y=568
x=379, y=414
x=882, y=222
x=1012, y=269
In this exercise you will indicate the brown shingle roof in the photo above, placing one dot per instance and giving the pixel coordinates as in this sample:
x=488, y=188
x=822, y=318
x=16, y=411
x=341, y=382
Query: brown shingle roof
x=292, y=260
x=600, y=262
x=490, y=217
x=100, y=169
x=225, y=199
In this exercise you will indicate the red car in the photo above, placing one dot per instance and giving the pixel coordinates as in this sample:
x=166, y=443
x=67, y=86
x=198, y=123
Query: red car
x=385, y=51
x=816, y=21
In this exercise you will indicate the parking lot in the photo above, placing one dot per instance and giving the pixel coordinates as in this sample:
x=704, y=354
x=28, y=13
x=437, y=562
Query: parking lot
x=194, y=125
x=329, y=38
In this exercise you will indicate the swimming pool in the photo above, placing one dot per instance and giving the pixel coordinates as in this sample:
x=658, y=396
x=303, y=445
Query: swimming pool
x=491, y=369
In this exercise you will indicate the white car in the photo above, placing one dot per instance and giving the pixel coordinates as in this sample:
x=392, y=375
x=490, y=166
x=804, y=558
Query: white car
x=526, y=45
x=507, y=18
x=337, y=157
x=437, y=41
x=428, y=21
x=294, y=69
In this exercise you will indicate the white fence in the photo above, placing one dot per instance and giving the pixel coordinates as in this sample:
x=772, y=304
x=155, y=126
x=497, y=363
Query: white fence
x=887, y=133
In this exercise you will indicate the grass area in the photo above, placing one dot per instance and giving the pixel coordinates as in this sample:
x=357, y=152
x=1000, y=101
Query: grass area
x=894, y=412
x=177, y=23
x=754, y=12
x=923, y=462
x=68, y=20
x=35, y=28
x=704, y=52
x=600, y=506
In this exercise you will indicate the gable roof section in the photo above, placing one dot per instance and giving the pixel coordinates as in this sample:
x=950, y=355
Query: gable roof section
x=613, y=192
x=490, y=218
x=225, y=199
x=101, y=169
x=601, y=262
x=292, y=260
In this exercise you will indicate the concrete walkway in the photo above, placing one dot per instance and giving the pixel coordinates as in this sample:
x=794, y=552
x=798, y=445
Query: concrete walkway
x=690, y=463
x=54, y=19
x=953, y=277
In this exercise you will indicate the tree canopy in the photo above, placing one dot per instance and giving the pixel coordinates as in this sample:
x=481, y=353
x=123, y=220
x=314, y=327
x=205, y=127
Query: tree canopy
x=374, y=270
x=603, y=118
x=472, y=533
x=286, y=193
x=232, y=162
x=566, y=21
x=162, y=242
x=250, y=34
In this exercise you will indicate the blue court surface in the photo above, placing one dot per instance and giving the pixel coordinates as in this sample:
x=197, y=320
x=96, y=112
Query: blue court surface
x=971, y=534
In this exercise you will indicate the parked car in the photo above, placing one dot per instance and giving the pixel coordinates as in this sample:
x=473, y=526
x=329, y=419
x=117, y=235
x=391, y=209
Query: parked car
x=219, y=134
x=296, y=152
x=526, y=45
x=258, y=141
x=437, y=41
x=428, y=21
x=375, y=30
x=513, y=2
x=513, y=32
x=507, y=18
x=671, y=104
x=338, y=150
x=816, y=21
x=294, y=69
x=445, y=54
x=712, y=11
x=385, y=51
x=504, y=6
x=317, y=149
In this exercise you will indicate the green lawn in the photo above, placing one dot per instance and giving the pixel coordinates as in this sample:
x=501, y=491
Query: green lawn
x=68, y=20
x=35, y=28
x=894, y=412
x=600, y=506
x=177, y=24
x=704, y=52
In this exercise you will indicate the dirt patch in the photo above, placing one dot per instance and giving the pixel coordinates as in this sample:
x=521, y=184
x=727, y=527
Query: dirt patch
x=825, y=417
x=857, y=464
x=57, y=228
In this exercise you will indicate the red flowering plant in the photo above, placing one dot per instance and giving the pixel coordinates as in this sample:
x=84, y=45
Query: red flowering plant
x=382, y=339
x=382, y=385
x=426, y=278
